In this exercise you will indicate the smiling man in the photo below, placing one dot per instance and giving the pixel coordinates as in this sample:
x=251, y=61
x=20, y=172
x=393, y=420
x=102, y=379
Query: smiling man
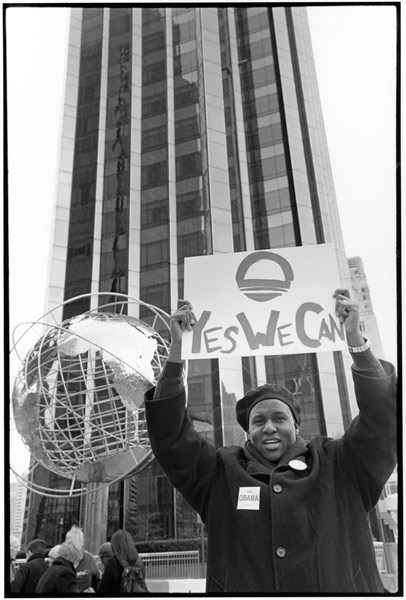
x=283, y=515
x=272, y=416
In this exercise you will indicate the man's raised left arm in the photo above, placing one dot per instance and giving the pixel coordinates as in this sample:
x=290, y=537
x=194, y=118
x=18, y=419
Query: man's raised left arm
x=368, y=447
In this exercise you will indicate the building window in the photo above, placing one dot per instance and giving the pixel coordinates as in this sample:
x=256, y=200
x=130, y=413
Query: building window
x=187, y=129
x=79, y=252
x=154, y=213
x=85, y=149
x=119, y=25
x=189, y=165
x=257, y=77
x=185, y=63
x=87, y=119
x=190, y=245
x=158, y=295
x=154, y=73
x=186, y=95
x=153, y=42
x=269, y=203
x=155, y=254
x=115, y=223
x=153, y=105
x=83, y=193
x=183, y=32
x=154, y=138
x=268, y=168
x=257, y=18
x=393, y=487
x=155, y=174
x=149, y=15
x=265, y=136
x=177, y=12
x=189, y=205
x=261, y=48
x=89, y=88
x=265, y=105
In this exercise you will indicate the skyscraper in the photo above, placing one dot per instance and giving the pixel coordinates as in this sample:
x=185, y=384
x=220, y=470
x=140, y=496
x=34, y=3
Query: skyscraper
x=359, y=284
x=192, y=131
x=17, y=501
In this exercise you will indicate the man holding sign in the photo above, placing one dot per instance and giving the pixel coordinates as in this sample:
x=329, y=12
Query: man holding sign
x=283, y=515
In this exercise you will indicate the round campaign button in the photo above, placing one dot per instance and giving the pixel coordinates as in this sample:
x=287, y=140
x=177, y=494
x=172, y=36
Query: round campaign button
x=298, y=465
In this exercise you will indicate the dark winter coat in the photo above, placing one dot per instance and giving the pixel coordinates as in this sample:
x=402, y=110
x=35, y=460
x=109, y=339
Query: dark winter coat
x=111, y=578
x=28, y=575
x=311, y=532
x=87, y=573
x=59, y=579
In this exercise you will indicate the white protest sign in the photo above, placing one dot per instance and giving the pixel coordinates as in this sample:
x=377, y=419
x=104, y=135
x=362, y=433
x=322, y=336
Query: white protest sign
x=277, y=301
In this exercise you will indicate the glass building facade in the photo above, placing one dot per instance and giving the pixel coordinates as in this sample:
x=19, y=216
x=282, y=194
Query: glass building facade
x=190, y=131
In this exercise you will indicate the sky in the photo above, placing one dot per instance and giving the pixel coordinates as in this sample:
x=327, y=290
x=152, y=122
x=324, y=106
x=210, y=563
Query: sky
x=354, y=51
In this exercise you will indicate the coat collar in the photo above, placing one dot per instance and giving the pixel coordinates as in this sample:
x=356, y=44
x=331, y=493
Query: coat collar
x=34, y=556
x=59, y=560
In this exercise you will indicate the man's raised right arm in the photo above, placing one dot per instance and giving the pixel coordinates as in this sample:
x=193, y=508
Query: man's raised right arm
x=187, y=459
x=170, y=382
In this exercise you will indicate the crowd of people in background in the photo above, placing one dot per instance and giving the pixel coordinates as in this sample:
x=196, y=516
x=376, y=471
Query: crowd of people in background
x=69, y=568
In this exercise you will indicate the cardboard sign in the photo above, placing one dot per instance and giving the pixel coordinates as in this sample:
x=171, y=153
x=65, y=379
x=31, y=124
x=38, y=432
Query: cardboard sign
x=263, y=302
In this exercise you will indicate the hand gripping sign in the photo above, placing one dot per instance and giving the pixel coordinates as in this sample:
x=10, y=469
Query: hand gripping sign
x=277, y=301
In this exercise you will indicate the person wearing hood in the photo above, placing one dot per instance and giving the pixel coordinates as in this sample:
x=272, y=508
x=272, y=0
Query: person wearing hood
x=53, y=553
x=87, y=573
x=60, y=577
x=283, y=515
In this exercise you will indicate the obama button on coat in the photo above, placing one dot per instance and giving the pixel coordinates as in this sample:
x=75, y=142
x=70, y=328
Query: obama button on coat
x=309, y=530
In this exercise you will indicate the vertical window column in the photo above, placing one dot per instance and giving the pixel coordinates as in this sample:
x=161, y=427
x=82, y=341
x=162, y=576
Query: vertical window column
x=232, y=148
x=215, y=174
x=79, y=262
x=115, y=238
x=134, y=216
x=154, y=226
x=98, y=210
x=241, y=156
x=173, y=245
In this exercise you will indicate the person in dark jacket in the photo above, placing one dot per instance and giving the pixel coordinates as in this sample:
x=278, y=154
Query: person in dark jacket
x=29, y=573
x=123, y=551
x=283, y=516
x=14, y=546
x=60, y=577
x=104, y=554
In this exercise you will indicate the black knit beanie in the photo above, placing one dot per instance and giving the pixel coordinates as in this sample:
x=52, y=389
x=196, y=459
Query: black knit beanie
x=265, y=392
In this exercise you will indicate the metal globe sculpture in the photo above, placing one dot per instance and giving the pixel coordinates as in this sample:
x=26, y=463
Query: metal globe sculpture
x=78, y=396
